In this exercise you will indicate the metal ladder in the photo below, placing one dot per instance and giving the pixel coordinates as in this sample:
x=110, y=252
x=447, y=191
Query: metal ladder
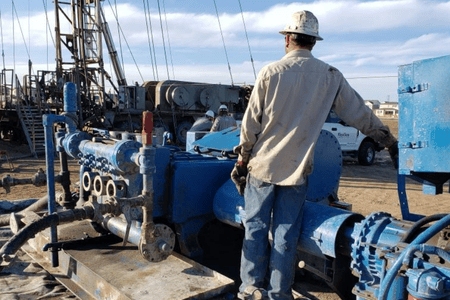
x=31, y=120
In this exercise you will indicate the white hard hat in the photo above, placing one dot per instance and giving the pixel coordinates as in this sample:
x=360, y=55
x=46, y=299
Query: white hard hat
x=210, y=114
x=303, y=22
x=223, y=108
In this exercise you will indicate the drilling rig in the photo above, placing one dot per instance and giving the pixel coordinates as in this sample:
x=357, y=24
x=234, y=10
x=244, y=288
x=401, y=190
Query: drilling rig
x=81, y=32
x=82, y=35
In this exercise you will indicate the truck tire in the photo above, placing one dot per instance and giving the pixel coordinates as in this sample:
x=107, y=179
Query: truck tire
x=366, y=153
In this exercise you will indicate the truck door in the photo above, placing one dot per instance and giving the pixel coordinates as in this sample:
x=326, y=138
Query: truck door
x=345, y=134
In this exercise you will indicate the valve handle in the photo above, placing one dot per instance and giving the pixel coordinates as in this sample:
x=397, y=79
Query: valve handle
x=147, y=128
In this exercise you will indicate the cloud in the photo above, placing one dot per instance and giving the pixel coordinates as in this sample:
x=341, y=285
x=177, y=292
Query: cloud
x=361, y=38
x=202, y=30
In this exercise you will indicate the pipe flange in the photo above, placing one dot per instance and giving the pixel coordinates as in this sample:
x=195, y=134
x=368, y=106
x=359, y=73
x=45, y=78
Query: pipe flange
x=88, y=181
x=162, y=247
x=116, y=188
x=99, y=185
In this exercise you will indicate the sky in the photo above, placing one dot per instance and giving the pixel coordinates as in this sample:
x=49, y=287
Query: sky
x=229, y=41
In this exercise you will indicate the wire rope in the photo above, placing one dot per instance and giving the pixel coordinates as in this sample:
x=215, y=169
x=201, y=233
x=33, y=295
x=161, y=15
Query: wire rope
x=168, y=39
x=126, y=42
x=223, y=41
x=148, y=36
x=163, y=40
x=21, y=31
x=373, y=77
x=153, y=40
x=120, y=39
x=248, y=42
x=14, y=35
x=3, y=49
x=48, y=22
x=29, y=26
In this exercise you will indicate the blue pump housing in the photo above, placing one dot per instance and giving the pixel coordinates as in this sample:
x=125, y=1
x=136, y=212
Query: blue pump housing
x=362, y=257
x=323, y=183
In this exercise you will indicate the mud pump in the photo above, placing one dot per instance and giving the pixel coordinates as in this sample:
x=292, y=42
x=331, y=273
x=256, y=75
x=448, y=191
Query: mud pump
x=127, y=185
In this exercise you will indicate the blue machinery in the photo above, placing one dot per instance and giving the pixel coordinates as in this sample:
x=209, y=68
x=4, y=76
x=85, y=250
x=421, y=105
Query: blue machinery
x=127, y=185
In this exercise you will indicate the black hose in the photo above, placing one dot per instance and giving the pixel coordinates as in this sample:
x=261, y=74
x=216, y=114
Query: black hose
x=36, y=206
x=30, y=230
x=412, y=232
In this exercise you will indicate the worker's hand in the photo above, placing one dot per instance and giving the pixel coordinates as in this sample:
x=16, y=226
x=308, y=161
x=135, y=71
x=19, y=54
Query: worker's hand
x=393, y=152
x=239, y=175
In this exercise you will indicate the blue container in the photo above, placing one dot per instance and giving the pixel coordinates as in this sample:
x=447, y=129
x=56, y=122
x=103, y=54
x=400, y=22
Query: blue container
x=424, y=119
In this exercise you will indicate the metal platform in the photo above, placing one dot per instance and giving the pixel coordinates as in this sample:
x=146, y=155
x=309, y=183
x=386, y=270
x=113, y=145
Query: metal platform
x=120, y=272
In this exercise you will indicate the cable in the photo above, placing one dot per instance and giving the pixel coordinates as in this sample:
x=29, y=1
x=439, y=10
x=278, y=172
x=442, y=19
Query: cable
x=29, y=26
x=126, y=42
x=373, y=77
x=223, y=41
x=48, y=23
x=3, y=49
x=418, y=225
x=46, y=31
x=49, y=30
x=120, y=39
x=164, y=43
x=248, y=42
x=148, y=35
x=14, y=35
x=21, y=31
x=168, y=38
x=153, y=41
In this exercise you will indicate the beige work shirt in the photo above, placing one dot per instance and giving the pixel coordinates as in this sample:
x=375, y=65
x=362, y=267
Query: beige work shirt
x=223, y=122
x=287, y=109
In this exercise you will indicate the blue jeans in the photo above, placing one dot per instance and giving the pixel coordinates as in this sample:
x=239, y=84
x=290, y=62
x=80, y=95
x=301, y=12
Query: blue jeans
x=285, y=205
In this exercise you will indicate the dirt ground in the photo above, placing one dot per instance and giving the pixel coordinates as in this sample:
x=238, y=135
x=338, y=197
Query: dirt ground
x=367, y=188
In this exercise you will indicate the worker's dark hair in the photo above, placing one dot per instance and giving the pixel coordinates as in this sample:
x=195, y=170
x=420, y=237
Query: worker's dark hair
x=303, y=40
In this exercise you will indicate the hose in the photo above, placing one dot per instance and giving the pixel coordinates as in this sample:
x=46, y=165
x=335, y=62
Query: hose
x=422, y=238
x=36, y=206
x=428, y=249
x=413, y=230
x=30, y=230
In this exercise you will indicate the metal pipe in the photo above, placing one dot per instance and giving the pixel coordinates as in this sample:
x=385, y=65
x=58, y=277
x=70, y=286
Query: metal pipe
x=118, y=154
x=422, y=238
x=38, y=179
x=70, y=98
x=36, y=206
x=118, y=227
x=64, y=173
x=48, y=122
x=147, y=168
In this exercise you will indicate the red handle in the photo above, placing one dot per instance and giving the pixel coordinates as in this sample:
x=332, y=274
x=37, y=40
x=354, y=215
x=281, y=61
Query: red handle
x=147, y=128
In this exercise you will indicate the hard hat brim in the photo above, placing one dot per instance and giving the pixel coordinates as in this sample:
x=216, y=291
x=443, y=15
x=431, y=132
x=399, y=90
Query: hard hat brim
x=318, y=37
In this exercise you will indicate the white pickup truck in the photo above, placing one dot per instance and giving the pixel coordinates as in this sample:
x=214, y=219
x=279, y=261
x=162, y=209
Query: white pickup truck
x=353, y=142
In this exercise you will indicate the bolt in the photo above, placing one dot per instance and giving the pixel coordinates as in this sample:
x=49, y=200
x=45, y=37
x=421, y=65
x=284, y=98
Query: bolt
x=435, y=283
x=164, y=247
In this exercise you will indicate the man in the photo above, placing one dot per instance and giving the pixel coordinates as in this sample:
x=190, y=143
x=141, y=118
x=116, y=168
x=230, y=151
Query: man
x=286, y=111
x=204, y=123
x=223, y=121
